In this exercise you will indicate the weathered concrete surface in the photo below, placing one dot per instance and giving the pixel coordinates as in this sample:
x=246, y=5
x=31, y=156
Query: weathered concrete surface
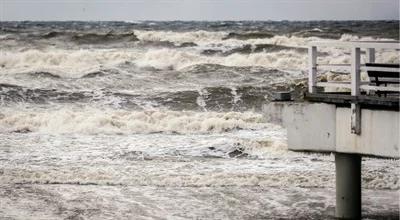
x=326, y=128
x=348, y=186
x=379, y=133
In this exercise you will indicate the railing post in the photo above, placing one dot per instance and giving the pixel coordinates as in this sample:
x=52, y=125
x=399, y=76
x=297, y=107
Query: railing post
x=370, y=55
x=355, y=71
x=355, y=91
x=312, y=71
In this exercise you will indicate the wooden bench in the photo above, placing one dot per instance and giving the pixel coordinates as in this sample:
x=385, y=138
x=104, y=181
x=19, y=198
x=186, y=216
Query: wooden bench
x=383, y=77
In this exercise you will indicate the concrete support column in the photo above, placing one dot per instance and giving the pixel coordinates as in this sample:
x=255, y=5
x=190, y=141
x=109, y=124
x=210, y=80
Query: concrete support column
x=348, y=186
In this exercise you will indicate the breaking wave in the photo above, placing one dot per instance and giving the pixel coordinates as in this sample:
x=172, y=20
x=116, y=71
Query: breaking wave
x=77, y=63
x=177, y=60
x=65, y=63
x=109, y=121
x=198, y=37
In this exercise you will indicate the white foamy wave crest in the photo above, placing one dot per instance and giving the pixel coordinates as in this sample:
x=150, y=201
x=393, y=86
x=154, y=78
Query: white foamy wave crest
x=109, y=121
x=208, y=38
x=218, y=38
x=175, y=59
x=281, y=60
x=349, y=37
x=76, y=63
x=295, y=41
x=171, y=59
x=4, y=36
x=68, y=63
x=281, y=40
x=198, y=37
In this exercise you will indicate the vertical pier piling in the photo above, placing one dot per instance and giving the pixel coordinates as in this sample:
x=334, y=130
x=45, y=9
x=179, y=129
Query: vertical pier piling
x=348, y=186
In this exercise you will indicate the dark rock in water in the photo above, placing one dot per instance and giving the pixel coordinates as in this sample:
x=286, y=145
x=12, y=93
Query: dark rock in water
x=238, y=153
x=211, y=148
x=246, y=36
x=188, y=44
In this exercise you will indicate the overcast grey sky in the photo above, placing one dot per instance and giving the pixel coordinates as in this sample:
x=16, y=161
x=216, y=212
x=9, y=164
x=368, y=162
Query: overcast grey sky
x=130, y=10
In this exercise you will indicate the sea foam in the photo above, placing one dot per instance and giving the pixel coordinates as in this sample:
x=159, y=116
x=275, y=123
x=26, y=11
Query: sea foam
x=77, y=62
x=109, y=121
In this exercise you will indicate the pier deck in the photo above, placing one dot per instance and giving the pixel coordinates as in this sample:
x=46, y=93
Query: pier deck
x=364, y=100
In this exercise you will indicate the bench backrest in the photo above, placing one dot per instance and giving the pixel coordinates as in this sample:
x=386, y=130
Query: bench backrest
x=381, y=77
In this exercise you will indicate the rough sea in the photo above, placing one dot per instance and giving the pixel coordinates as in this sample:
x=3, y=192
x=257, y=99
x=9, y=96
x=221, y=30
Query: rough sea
x=163, y=120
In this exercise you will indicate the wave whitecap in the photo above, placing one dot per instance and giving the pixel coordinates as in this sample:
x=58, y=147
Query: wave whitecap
x=281, y=52
x=109, y=121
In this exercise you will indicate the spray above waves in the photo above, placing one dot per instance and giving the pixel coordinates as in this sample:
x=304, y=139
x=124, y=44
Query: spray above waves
x=64, y=63
x=76, y=63
x=198, y=37
x=109, y=121
x=80, y=63
x=221, y=39
x=165, y=50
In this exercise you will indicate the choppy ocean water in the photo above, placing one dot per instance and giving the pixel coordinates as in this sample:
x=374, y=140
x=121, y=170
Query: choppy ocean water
x=162, y=120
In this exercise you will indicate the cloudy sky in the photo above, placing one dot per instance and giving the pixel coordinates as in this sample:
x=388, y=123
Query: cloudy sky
x=131, y=10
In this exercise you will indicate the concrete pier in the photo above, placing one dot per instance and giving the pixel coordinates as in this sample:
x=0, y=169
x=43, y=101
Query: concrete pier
x=351, y=123
x=323, y=127
x=348, y=186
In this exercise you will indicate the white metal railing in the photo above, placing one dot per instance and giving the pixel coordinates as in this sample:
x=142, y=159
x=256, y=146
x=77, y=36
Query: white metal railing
x=354, y=68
